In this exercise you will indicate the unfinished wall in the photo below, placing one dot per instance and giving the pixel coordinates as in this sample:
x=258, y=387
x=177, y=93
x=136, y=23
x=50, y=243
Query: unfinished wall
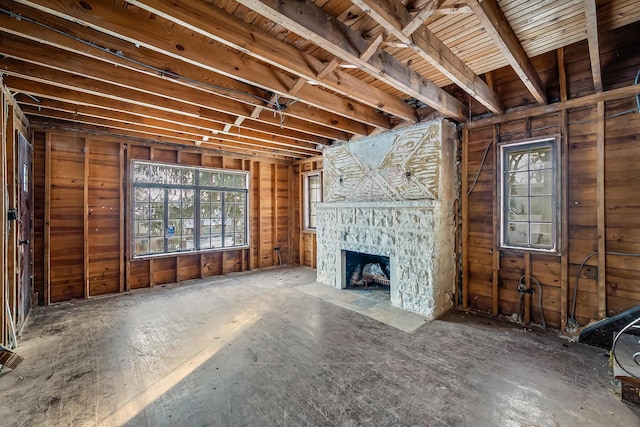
x=81, y=225
x=393, y=195
x=600, y=158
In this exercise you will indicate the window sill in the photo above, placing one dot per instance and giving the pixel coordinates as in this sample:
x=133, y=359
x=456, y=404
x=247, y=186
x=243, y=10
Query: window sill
x=308, y=231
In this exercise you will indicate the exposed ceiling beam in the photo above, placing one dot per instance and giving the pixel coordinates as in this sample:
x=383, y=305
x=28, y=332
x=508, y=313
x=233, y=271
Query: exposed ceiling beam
x=394, y=17
x=313, y=23
x=496, y=25
x=178, y=43
x=591, y=15
x=234, y=32
x=72, y=81
x=254, y=130
x=70, y=125
x=50, y=108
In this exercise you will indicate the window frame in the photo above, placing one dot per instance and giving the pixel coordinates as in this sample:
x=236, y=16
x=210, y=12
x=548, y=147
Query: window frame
x=306, y=199
x=197, y=214
x=504, y=148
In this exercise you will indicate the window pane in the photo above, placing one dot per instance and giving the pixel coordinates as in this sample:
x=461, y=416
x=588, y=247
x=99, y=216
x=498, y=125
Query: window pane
x=174, y=211
x=205, y=211
x=518, y=160
x=188, y=176
x=205, y=178
x=174, y=194
x=519, y=209
x=205, y=242
x=518, y=233
x=156, y=245
x=541, y=209
x=141, y=172
x=141, y=210
x=142, y=229
x=540, y=158
x=156, y=210
x=142, y=246
x=541, y=234
x=142, y=194
x=216, y=179
x=229, y=180
x=157, y=228
x=156, y=174
x=174, y=175
x=173, y=243
x=541, y=182
x=156, y=194
x=518, y=184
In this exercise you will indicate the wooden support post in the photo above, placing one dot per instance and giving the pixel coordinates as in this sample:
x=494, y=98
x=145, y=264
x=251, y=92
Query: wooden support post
x=527, y=283
x=258, y=205
x=600, y=196
x=3, y=222
x=178, y=262
x=562, y=75
x=122, y=239
x=291, y=229
x=127, y=188
x=252, y=203
x=465, y=218
x=564, y=216
x=151, y=272
x=496, y=226
x=87, y=290
x=47, y=220
x=274, y=216
x=223, y=267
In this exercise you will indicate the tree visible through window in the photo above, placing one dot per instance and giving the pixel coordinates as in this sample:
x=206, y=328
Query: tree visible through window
x=530, y=194
x=178, y=209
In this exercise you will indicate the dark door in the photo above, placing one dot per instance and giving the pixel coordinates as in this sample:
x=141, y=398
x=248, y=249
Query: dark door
x=25, y=202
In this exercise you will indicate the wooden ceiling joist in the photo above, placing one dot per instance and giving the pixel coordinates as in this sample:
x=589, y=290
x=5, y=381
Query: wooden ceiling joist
x=313, y=23
x=121, y=84
x=235, y=33
x=254, y=130
x=394, y=17
x=591, y=16
x=180, y=45
x=51, y=124
x=496, y=25
x=121, y=121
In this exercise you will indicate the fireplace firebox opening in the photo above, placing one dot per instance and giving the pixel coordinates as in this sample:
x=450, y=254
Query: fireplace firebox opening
x=367, y=271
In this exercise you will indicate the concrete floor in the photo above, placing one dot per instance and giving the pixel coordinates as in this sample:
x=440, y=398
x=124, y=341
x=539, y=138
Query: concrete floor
x=250, y=349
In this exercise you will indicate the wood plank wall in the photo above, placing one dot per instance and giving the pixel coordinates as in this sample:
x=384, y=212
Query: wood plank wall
x=601, y=160
x=82, y=231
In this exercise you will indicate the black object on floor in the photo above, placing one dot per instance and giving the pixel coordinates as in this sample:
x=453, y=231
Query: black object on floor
x=601, y=334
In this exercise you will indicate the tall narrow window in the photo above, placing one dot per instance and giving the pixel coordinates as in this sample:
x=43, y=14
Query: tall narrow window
x=530, y=195
x=180, y=209
x=312, y=196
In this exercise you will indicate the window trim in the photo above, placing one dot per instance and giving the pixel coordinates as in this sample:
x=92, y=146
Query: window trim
x=556, y=196
x=306, y=200
x=132, y=198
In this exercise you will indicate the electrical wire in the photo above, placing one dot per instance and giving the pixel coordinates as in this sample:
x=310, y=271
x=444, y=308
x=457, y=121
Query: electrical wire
x=277, y=107
x=484, y=157
x=572, y=317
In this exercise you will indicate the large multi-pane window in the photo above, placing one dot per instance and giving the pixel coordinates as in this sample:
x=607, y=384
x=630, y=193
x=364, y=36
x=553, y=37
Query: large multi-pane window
x=530, y=195
x=312, y=196
x=179, y=209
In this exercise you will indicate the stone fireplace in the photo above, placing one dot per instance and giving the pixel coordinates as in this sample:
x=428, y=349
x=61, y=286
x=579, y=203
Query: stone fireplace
x=393, y=196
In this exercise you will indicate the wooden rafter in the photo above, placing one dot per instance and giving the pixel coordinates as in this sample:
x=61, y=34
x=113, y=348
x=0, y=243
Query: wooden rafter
x=591, y=16
x=102, y=16
x=236, y=33
x=72, y=81
x=495, y=23
x=394, y=17
x=313, y=23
